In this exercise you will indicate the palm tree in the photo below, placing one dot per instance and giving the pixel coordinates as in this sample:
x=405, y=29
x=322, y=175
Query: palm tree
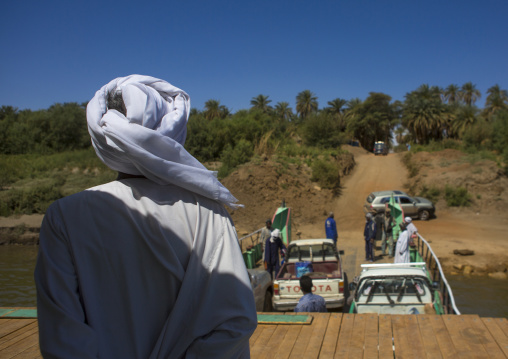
x=496, y=100
x=306, y=103
x=336, y=107
x=424, y=114
x=452, y=94
x=469, y=93
x=261, y=102
x=465, y=118
x=212, y=109
x=283, y=111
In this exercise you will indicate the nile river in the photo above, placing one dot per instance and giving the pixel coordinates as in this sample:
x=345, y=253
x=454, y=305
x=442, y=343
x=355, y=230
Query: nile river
x=473, y=295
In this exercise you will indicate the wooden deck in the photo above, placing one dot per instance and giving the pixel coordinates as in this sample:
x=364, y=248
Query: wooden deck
x=336, y=335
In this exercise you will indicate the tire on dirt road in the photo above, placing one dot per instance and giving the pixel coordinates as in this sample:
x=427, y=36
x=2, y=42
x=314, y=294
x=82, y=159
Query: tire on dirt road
x=424, y=215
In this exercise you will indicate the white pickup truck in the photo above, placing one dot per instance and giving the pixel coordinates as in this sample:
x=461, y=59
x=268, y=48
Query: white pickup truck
x=402, y=288
x=325, y=270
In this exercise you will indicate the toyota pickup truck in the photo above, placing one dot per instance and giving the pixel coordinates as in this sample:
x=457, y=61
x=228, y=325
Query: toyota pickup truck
x=402, y=288
x=323, y=264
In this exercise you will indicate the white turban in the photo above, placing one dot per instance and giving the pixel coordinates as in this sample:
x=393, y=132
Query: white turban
x=408, y=220
x=149, y=140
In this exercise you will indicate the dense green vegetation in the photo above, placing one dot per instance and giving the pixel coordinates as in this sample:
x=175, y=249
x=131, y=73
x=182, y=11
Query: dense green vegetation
x=47, y=154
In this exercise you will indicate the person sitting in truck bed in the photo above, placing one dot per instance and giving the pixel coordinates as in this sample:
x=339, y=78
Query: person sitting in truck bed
x=309, y=302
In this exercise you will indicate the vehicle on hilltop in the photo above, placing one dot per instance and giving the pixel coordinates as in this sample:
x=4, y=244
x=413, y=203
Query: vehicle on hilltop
x=380, y=148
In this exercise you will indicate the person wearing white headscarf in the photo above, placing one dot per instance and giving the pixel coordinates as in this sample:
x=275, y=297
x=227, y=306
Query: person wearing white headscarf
x=273, y=246
x=411, y=229
x=402, y=247
x=147, y=266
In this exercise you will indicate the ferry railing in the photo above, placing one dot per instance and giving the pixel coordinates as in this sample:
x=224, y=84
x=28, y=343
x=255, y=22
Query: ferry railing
x=254, y=239
x=437, y=275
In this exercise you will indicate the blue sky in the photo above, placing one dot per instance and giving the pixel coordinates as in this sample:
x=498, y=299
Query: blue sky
x=232, y=51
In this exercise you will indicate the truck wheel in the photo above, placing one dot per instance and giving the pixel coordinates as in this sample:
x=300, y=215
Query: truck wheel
x=423, y=215
x=267, y=306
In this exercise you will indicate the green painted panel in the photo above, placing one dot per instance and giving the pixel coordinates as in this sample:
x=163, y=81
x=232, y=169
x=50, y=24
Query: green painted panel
x=21, y=313
x=280, y=318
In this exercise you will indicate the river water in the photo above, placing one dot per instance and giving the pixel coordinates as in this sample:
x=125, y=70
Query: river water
x=473, y=295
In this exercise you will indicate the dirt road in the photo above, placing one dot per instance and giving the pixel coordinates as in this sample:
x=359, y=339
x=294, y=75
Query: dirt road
x=451, y=229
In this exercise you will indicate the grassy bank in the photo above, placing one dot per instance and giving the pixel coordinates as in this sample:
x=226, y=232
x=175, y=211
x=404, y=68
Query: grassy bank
x=30, y=183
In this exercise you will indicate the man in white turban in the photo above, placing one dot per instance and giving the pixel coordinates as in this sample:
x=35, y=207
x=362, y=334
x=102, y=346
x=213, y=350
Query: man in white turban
x=412, y=230
x=147, y=266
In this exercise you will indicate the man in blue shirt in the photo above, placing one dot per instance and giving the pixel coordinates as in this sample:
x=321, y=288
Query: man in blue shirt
x=331, y=228
x=309, y=302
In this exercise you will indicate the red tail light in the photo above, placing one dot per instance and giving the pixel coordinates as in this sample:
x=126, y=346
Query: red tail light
x=276, y=289
x=341, y=287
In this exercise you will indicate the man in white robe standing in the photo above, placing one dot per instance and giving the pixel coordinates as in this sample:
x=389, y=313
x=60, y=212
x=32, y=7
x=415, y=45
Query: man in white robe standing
x=402, y=248
x=147, y=266
x=412, y=230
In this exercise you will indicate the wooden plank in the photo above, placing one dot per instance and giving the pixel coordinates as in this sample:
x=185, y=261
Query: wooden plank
x=414, y=337
x=256, y=334
x=331, y=338
x=371, y=336
x=318, y=334
x=400, y=339
x=503, y=324
x=357, y=337
x=286, y=347
x=275, y=341
x=454, y=325
x=385, y=337
x=344, y=341
x=482, y=336
x=18, y=335
x=497, y=333
x=19, y=347
x=430, y=341
x=444, y=339
x=8, y=326
x=32, y=352
x=306, y=340
x=256, y=350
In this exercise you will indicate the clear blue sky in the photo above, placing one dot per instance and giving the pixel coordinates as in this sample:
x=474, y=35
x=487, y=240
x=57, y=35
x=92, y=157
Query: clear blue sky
x=232, y=51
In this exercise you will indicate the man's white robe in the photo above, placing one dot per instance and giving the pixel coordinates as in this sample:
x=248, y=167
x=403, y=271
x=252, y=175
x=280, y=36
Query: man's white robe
x=402, y=248
x=133, y=269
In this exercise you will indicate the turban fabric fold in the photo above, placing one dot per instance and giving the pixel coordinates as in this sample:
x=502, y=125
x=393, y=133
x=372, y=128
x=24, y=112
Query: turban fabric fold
x=149, y=140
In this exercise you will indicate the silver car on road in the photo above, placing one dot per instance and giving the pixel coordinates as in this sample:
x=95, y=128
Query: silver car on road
x=415, y=207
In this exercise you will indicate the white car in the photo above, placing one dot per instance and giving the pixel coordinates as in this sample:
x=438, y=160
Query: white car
x=401, y=288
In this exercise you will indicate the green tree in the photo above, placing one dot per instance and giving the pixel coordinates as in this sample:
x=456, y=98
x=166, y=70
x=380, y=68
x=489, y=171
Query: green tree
x=451, y=94
x=283, y=111
x=496, y=100
x=306, y=103
x=424, y=114
x=372, y=120
x=336, y=109
x=469, y=93
x=212, y=109
x=261, y=102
